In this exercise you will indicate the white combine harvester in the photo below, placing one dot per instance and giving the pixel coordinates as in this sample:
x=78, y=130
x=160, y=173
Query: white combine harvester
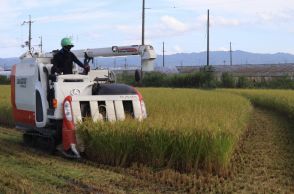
x=47, y=107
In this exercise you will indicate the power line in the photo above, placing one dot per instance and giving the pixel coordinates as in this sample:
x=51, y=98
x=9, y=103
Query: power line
x=9, y=47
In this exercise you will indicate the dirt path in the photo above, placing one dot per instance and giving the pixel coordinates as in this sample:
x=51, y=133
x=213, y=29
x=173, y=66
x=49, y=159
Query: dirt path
x=264, y=163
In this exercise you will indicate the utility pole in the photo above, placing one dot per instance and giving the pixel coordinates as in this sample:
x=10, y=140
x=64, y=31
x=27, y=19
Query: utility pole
x=207, y=38
x=125, y=63
x=163, y=56
x=96, y=63
x=30, y=32
x=143, y=23
x=231, y=54
x=114, y=63
x=41, y=44
x=143, y=30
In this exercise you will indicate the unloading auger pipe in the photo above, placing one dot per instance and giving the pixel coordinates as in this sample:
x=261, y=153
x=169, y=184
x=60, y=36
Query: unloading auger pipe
x=113, y=51
x=146, y=52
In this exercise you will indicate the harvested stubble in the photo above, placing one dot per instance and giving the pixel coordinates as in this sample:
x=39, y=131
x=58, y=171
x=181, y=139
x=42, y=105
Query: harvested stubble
x=5, y=106
x=186, y=130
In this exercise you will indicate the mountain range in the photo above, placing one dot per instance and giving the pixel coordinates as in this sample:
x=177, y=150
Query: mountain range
x=185, y=59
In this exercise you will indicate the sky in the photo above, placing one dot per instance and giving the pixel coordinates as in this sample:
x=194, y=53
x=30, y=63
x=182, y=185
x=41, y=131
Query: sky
x=263, y=26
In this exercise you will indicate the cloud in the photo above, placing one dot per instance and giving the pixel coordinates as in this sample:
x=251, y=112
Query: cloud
x=249, y=11
x=248, y=6
x=176, y=49
x=225, y=22
x=9, y=47
x=8, y=42
x=219, y=21
x=174, y=24
x=132, y=30
x=274, y=17
x=30, y=4
x=75, y=16
x=223, y=48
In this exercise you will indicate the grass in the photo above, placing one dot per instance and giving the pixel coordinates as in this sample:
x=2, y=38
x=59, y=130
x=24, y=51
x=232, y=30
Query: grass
x=186, y=130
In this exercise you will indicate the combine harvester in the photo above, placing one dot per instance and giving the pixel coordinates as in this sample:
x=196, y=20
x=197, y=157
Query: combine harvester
x=47, y=107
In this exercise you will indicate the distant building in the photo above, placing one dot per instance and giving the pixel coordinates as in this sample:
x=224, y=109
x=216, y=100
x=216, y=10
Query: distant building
x=260, y=72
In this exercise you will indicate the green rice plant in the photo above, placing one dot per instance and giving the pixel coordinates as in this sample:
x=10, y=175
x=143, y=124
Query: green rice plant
x=186, y=129
x=6, y=117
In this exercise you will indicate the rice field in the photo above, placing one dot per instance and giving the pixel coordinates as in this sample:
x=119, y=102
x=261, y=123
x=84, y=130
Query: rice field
x=186, y=129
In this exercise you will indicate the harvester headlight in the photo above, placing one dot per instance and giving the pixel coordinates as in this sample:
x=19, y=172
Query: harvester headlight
x=67, y=110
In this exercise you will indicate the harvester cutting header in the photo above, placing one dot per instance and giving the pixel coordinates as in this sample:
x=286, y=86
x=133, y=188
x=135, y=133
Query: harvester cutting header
x=47, y=105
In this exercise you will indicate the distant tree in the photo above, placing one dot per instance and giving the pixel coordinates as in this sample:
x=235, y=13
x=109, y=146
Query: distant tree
x=156, y=79
x=227, y=80
x=4, y=80
x=243, y=82
x=282, y=82
x=207, y=77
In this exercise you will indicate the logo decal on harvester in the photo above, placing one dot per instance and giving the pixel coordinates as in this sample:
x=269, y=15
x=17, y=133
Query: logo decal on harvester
x=75, y=92
x=127, y=50
x=22, y=82
x=128, y=97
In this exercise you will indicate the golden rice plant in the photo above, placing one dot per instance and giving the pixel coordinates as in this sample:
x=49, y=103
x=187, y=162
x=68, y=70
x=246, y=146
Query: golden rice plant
x=5, y=106
x=186, y=129
x=281, y=101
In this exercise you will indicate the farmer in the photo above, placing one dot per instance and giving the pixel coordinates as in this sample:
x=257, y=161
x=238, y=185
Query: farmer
x=63, y=59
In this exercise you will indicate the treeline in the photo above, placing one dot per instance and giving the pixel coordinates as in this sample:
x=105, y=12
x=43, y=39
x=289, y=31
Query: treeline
x=229, y=81
x=4, y=80
x=204, y=79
